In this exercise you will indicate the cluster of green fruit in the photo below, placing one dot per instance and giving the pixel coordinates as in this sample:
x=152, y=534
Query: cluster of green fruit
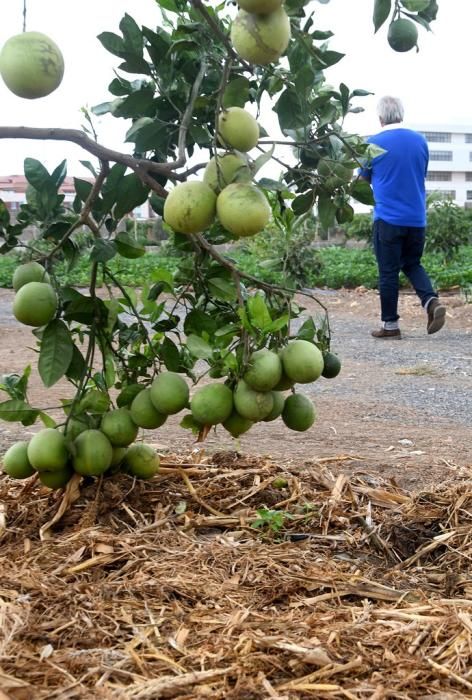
x=226, y=190
x=35, y=302
x=31, y=65
x=57, y=454
x=261, y=31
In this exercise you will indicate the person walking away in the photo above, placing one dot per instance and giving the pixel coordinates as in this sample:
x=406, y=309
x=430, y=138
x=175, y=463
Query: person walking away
x=397, y=177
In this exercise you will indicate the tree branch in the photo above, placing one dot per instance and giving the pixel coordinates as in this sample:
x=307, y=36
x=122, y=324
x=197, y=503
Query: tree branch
x=203, y=243
x=80, y=139
x=186, y=119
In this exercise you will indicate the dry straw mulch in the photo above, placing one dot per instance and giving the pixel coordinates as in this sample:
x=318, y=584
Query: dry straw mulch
x=348, y=588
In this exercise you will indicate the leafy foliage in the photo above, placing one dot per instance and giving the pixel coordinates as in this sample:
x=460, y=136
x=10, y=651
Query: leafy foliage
x=448, y=229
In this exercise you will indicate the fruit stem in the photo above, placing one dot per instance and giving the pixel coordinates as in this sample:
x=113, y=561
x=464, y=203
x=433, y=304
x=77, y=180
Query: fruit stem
x=24, y=15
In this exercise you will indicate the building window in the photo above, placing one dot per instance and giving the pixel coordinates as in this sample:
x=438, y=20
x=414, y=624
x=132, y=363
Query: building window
x=469, y=194
x=438, y=176
x=437, y=136
x=441, y=155
x=445, y=194
x=468, y=138
x=468, y=177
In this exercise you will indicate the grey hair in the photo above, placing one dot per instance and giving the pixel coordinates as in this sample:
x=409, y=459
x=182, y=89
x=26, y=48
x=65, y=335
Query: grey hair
x=390, y=110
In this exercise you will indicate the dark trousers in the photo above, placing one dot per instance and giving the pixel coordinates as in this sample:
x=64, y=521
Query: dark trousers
x=399, y=248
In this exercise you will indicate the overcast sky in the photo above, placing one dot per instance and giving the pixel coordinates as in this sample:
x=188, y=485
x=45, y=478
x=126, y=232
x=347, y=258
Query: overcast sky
x=434, y=84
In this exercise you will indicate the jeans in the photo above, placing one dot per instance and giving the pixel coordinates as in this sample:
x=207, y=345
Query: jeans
x=399, y=248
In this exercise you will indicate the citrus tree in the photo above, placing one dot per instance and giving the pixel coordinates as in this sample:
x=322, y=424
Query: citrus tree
x=192, y=89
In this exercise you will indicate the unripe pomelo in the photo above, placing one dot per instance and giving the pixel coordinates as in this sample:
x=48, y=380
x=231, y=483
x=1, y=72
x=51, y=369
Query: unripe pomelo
x=264, y=370
x=402, y=35
x=31, y=65
x=242, y=209
x=285, y=383
x=169, y=393
x=299, y=413
x=142, y=461
x=261, y=39
x=144, y=413
x=302, y=361
x=56, y=480
x=331, y=365
x=279, y=402
x=93, y=453
x=119, y=427
x=212, y=404
x=118, y=455
x=190, y=207
x=238, y=129
x=16, y=463
x=230, y=167
x=29, y=272
x=260, y=7
x=74, y=427
x=35, y=304
x=236, y=425
x=47, y=450
x=254, y=405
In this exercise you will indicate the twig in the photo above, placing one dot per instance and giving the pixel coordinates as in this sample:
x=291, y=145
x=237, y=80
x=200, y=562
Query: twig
x=184, y=126
x=216, y=29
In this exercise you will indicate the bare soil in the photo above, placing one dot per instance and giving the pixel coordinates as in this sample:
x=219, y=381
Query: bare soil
x=401, y=409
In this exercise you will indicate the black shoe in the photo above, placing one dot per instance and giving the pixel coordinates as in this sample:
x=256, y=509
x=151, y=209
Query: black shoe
x=436, y=316
x=384, y=333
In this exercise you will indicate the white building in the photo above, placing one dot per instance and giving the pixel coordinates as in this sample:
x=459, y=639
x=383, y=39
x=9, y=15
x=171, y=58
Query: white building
x=450, y=161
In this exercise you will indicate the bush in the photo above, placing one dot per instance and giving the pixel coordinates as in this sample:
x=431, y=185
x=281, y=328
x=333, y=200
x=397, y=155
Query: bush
x=449, y=228
x=360, y=228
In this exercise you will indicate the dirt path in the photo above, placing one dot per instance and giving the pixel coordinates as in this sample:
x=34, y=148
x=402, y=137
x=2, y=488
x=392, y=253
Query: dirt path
x=402, y=409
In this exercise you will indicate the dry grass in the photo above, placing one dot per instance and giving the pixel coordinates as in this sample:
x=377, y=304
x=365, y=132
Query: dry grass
x=164, y=589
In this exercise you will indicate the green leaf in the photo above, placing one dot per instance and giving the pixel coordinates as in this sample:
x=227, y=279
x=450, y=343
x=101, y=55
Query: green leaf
x=94, y=401
x=15, y=410
x=290, y=110
x=128, y=247
x=188, y=422
x=59, y=174
x=56, y=352
x=132, y=35
x=82, y=188
x=381, y=12
x=303, y=203
x=77, y=367
x=103, y=250
x=263, y=159
x=126, y=395
x=199, y=347
x=131, y=194
x=36, y=174
x=236, y=93
x=326, y=211
x=113, y=43
x=222, y=289
x=258, y=312
x=362, y=191
x=170, y=355
x=415, y=5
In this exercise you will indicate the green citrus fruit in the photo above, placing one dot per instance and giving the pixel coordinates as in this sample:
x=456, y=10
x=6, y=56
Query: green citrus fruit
x=93, y=453
x=236, y=425
x=47, y=450
x=279, y=401
x=75, y=426
x=254, y=405
x=212, y=404
x=118, y=455
x=264, y=370
x=285, y=383
x=261, y=39
x=344, y=214
x=31, y=65
x=142, y=461
x=238, y=129
x=402, y=35
x=302, y=361
x=332, y=365
x=190, y=207
x=221, y=171
x=29, y=272
x=119, y=427
x=16, y=463
x=56, y=480
x=169, y=393
x=260, y=7
x=144, y=413
x=35, y=304
x=299, y=413
x=243, y=209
